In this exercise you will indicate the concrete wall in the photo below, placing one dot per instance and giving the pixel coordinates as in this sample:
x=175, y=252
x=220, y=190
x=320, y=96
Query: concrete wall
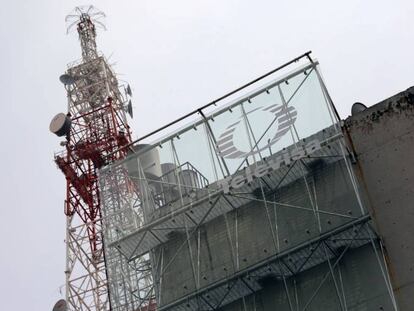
x=364, y=288
x=331, y=188
x=383, y=139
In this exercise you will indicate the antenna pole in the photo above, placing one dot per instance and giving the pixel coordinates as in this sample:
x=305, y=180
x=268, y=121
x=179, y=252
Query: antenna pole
x=87, y=35
x=95, y=128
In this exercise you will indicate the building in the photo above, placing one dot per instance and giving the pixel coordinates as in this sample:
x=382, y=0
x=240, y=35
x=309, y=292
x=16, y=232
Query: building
x=382, y=138
x=269, y=201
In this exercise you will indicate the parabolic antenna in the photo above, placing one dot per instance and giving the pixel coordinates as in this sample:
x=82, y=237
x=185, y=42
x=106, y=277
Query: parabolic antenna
x=67, y=79
x=60, y=124
x=357, y=108
x=61, y=305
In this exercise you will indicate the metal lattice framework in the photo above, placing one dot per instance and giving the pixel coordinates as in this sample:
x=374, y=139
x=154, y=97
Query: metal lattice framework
x=130, y=281
x=99, y=130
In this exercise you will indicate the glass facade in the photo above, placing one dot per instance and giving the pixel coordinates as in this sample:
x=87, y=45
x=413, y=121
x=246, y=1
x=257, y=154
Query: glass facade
x=255, y=195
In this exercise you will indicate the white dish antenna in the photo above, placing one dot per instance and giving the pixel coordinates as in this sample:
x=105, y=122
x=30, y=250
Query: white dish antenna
x=60, y=125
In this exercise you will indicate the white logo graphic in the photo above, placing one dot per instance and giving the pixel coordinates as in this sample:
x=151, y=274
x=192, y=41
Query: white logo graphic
x=285, y=158
x=285, y=117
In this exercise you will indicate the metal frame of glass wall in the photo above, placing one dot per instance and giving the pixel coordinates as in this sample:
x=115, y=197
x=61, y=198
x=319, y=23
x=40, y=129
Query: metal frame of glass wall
x=260, y=189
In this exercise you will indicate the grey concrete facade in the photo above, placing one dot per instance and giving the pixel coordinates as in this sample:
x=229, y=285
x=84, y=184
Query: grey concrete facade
x=199, y=264
x=325, y=228
x=254, y=227
x=383, y=140
x=364, y=289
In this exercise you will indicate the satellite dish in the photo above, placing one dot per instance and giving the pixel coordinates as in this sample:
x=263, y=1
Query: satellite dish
x=61, y=305
x=128, y=90
x=67, y=79
x=129, y=109
x=357, y=108
x=60, y=125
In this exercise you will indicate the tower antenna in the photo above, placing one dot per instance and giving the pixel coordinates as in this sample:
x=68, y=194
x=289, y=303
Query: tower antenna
x=86, y=19
x=95, y=131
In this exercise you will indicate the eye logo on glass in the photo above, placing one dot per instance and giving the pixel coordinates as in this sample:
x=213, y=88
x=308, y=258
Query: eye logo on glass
x=285, y=117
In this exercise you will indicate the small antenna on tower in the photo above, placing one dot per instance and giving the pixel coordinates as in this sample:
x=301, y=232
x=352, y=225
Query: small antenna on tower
x=85, y=11
x=61, y=305
x=86, y=18
x=129, y=109
x=128, y=90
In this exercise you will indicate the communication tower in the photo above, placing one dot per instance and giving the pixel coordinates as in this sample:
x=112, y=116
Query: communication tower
x=95, y=129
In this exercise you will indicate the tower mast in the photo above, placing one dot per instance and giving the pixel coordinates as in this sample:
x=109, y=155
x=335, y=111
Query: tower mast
x=87, y=35
x=95, y=129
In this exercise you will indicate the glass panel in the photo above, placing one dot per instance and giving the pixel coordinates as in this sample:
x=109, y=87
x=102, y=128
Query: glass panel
x=269, y=122
x=304, y=94
x=256, y=179
x=193, y=147
x=229, y=133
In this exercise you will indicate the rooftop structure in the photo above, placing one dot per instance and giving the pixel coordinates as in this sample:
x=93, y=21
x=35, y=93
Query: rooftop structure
x=250, y=206
x=94, y=129
x=266, y=201
x=382, y=139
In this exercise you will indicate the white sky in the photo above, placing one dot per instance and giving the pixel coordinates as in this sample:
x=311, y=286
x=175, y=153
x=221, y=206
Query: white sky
x=177, y=56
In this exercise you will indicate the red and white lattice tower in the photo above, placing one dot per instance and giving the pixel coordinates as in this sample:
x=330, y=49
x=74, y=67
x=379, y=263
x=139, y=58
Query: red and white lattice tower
x=96, y=130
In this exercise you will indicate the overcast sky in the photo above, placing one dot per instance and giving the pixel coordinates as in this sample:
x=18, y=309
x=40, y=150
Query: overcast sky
x=177, y=55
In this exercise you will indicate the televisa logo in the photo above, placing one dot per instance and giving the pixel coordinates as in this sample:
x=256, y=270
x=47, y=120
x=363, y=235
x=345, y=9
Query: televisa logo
x=284, y=118
x=300, y=151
